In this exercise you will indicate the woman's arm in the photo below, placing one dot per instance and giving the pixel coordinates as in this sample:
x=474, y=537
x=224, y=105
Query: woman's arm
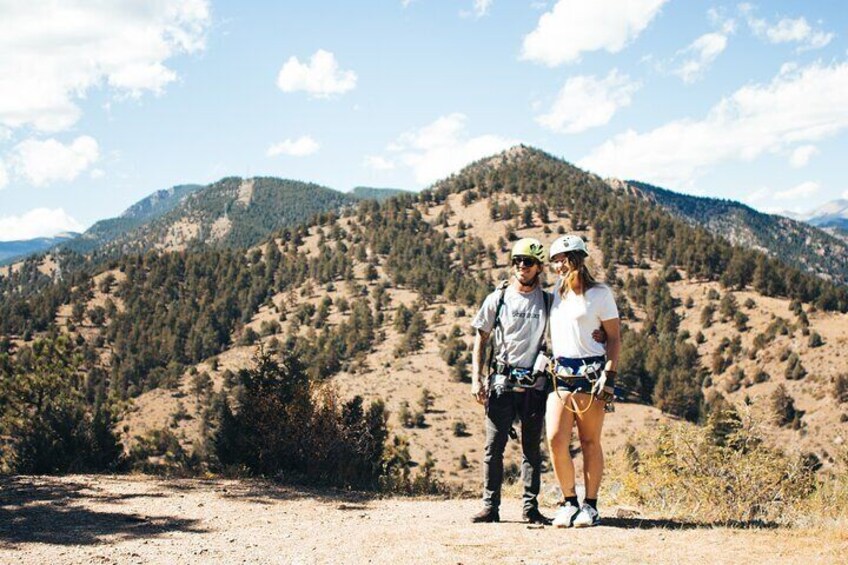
x=613, y=330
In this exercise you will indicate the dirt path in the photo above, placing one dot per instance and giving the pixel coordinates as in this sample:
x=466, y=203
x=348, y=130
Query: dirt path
x=86, y=519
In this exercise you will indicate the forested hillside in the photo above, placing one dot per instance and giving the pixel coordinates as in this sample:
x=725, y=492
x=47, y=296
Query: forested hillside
x=375, y=300
x=232, y=212
x=379, y=194
x=143, y=211
x=795, y=243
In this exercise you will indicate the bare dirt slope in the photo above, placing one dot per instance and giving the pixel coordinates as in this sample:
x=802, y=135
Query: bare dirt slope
x=98, y=519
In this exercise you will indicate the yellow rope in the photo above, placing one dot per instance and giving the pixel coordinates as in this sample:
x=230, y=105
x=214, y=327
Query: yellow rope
x=576, y=410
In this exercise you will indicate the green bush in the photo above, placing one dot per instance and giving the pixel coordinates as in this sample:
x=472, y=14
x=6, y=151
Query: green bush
x=286, y=429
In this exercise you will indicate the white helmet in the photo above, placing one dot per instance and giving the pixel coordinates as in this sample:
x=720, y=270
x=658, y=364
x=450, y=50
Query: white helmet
x=569, y=243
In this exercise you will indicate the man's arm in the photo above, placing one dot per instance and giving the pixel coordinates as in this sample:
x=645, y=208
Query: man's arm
x=478, y=380
x=613, y=330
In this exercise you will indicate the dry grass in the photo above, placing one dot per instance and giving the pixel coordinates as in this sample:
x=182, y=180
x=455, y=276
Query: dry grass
x=686, y=474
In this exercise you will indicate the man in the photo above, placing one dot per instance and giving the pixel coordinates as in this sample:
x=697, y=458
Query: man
x=516, y=313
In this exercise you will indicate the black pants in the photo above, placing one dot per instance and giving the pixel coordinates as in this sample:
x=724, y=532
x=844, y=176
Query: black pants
x=503, y=407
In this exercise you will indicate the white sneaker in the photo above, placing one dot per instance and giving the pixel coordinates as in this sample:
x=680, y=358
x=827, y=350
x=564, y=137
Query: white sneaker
x=587, y=516
x=564, y=516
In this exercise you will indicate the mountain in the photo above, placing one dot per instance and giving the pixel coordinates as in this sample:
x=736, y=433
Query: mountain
x=794, y=242
x=378, y=194
x=834, y=214
x=376, y=299
x=233, y=212
x=12, y=250
x=143, y=211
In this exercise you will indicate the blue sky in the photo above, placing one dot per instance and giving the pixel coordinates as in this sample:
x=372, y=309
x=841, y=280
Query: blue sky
x=104, y=103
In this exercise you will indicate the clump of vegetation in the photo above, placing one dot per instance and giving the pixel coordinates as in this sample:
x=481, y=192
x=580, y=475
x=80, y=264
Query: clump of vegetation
x=285, y=428
x=840, y=388
x=795, y=370
x=460, y=429
x=784, y=410
x=720, y=473
x=52, y=419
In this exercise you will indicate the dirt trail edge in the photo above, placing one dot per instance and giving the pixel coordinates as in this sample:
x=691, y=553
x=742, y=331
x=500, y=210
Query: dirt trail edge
x=120, y=519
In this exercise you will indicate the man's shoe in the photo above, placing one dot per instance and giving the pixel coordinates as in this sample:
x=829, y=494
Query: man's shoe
x=564, y=517
x=533, y=516
x=486, y=515
x=587, y=516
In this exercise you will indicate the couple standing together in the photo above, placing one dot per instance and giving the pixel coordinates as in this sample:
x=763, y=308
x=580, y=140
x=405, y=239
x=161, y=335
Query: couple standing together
x=552, y=364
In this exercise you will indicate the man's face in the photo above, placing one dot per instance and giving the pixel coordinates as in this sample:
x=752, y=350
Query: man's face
x=526, y=269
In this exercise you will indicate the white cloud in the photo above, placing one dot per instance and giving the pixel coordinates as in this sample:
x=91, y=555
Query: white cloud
x=845, y=195
x=801, y=155
x=787, y=30
x=300, y=147
x=378, y=163
x=443, y=147
x=4, y=176
x=803, y=190
x=699, y=55
x=52, y=53
x=480, y=8
x=801, y=105
x=585, y=102
x=40, y=222
x=321, y=78
x=573, y=27
x=43, y=162
x=757, y=196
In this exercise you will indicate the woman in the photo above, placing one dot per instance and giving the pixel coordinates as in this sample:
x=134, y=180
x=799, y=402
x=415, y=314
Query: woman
x=585, y=374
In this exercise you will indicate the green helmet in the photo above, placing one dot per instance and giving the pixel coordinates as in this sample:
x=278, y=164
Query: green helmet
x=530, y=247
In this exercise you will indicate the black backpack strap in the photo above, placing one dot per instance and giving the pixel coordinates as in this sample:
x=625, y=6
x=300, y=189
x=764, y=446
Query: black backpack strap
x=502, y=288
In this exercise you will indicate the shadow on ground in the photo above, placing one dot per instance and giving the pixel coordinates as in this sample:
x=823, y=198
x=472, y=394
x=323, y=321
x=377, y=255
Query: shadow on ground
x=43, y=510
x=666, y=524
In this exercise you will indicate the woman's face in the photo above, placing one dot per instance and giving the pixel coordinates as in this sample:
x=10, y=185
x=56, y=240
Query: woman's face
x=560, y=264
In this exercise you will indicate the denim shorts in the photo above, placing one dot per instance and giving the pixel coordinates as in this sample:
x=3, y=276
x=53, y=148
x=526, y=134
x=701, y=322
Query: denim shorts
x=575, y=368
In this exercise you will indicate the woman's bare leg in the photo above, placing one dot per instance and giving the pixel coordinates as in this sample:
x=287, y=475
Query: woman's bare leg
x=559, y=424
x=589, y=427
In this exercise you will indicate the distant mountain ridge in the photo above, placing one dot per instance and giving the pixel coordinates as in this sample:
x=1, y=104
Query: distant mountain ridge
x=833, y=214
x=145, y=210
x=12, y=250
x=232, y=212
x=792, y=241
x=378, y=194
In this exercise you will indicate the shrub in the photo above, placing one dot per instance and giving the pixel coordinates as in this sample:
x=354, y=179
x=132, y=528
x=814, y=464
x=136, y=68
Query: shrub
x=405, y=415
x=840, y=388
x=692, y=474
x=795, y=371
x=815, y=340
x=285, y=428
x=460, y=429
x=783, y=408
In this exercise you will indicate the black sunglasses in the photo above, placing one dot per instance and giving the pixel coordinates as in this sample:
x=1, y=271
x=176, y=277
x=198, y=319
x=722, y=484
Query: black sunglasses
x=524, y=261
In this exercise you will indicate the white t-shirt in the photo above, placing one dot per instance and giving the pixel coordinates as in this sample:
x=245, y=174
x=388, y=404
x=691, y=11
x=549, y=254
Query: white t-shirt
x=574, y=318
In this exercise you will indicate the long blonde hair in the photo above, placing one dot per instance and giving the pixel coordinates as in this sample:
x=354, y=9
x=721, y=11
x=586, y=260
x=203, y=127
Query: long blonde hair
x=578, y=272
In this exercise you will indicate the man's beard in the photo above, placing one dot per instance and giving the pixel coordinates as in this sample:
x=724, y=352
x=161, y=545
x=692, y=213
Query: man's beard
x=531, y=282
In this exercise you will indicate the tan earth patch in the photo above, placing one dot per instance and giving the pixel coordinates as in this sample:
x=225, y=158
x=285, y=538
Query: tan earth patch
x=139, y=519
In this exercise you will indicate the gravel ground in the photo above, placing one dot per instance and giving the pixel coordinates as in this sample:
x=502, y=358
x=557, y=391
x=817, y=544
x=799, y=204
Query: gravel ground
x=137, y=519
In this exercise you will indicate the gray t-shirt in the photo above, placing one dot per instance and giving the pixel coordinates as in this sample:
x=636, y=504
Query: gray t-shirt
x=522, y=324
